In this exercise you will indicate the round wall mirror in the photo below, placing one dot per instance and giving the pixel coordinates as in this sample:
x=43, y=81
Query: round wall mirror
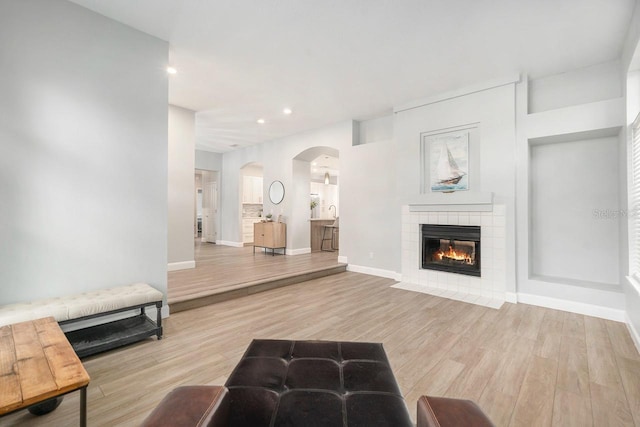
x=276, y=192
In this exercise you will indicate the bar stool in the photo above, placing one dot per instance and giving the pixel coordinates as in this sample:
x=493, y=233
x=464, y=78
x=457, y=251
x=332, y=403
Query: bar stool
x=333, y=228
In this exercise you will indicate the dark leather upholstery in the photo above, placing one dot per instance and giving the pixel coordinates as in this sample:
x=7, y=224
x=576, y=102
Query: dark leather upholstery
x=281, y=383
x=191, y=406
x=444, y=412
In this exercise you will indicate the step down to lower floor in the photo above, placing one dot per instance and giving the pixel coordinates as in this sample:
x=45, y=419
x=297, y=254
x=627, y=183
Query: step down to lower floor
x=243, y=289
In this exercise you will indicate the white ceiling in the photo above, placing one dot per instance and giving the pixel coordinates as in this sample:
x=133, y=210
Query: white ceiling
x=332, y=60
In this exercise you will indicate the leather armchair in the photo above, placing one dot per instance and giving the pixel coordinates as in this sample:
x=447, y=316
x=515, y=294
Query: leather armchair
x=191, y=406
x=445, y=412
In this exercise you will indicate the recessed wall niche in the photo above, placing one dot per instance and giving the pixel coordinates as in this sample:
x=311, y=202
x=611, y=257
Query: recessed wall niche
x=573, y=212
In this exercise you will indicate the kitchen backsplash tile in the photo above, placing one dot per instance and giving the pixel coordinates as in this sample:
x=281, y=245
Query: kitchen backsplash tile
x=251, y=210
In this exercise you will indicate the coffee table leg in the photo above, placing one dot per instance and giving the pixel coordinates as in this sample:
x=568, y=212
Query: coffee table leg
x=83, y=407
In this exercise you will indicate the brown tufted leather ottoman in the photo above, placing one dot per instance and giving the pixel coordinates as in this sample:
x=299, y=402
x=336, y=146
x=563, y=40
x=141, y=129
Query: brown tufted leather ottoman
x=281, y=383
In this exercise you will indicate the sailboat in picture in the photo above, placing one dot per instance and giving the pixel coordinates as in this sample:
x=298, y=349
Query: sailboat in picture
x=448, y=172
x=449, y=163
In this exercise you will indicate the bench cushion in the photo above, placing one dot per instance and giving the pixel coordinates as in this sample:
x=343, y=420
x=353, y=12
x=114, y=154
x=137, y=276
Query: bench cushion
x=80, y=305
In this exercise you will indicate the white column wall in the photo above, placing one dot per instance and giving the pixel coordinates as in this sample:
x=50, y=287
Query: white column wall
x=83, y=169
x=181, y=163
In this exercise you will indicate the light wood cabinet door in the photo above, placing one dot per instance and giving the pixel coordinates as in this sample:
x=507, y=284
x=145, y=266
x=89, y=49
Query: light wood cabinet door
x=258, y=234
x=270, y=235
x=278, y=235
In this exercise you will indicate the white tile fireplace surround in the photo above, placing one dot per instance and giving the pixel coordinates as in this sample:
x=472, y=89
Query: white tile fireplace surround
x=489, y=289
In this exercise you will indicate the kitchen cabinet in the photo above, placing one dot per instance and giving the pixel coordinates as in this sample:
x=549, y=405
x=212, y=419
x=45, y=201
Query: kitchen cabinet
x=252, y=189
x=247, y=229
x=270, y=235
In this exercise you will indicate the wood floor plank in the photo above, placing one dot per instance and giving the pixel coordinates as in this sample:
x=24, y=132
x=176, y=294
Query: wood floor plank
x=497, y=405
x=534, y=406
x=474, y=378
x=549, y=335
x=603, y=368
x=621, y=340
x=573, y=367
x=630, y=374
x=574, y=326
x=509, y=375
x=571, y=410
x=609, y=407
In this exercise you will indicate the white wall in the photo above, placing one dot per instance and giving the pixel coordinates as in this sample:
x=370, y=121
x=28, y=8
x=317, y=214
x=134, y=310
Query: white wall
x=583, y=86
x=369, y=217
x=230, y=191
x=207, y=160
x=83, y=170
x=298, y=230
x=181, y=187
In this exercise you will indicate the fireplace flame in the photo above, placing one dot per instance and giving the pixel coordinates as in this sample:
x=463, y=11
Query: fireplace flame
x=453, y=254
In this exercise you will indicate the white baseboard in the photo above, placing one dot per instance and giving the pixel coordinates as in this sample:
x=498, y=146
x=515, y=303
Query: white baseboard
x=343, y=259
x=573, y=307
x=298, y=251
x=389, y=274
x=183, y=265
x=511, y=297
x=164, y=311
x=229, y=243
x=633, y=332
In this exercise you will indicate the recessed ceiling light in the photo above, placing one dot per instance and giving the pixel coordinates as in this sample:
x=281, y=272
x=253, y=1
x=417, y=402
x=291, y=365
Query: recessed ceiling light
x=261, y=121
x=287, y=111
x=314, y=164
x=171, y=70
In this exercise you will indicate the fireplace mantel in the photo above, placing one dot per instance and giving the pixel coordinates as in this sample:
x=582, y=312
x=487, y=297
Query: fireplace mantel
x=461, y=201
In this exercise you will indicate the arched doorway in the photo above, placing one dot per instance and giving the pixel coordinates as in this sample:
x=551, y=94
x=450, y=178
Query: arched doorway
x=251, y=199
x=315, y=197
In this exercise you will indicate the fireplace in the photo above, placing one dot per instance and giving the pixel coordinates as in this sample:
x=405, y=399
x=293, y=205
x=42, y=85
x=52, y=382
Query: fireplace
x=451, y=248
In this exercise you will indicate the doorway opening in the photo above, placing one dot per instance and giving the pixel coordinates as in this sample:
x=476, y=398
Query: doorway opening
x=316, y=198
x=252, y=197
x=205, y=224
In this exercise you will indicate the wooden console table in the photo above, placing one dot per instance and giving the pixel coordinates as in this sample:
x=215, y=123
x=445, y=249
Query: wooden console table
x=37, y=363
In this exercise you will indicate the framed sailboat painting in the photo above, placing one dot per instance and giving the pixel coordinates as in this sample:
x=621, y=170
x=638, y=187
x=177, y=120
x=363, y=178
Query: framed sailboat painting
x=449, y=162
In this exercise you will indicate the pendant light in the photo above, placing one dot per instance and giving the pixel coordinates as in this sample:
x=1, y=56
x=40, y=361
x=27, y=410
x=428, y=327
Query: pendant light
x=326, y=178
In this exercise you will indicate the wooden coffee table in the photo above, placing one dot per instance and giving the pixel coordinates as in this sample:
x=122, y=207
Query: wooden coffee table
x=37, y=363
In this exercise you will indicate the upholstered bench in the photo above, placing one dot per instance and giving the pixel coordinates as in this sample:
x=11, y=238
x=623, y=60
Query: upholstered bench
x=71, y=309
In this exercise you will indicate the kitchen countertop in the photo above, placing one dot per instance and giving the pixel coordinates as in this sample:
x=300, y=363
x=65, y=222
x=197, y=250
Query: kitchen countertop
x=322, y=219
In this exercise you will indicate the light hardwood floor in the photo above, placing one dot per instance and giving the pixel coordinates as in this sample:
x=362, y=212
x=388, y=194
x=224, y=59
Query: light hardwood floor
x=523, y=365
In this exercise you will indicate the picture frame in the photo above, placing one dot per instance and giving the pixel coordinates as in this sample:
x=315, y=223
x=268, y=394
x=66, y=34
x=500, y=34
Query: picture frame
x=448, y=161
